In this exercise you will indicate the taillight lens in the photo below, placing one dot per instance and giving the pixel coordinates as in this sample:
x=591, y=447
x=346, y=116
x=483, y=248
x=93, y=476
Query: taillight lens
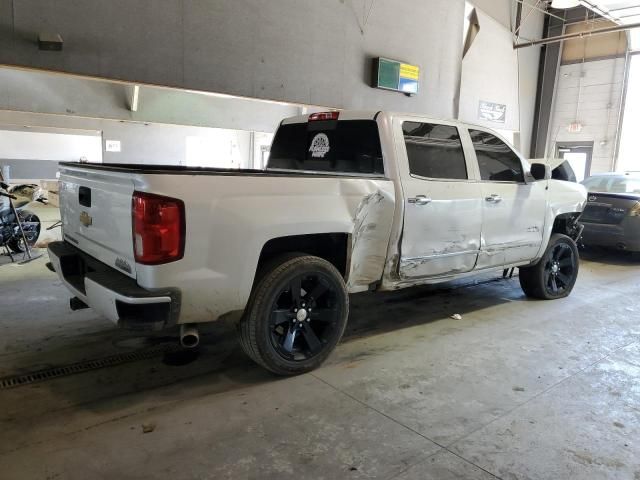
x=635, y=210
x=158, y=228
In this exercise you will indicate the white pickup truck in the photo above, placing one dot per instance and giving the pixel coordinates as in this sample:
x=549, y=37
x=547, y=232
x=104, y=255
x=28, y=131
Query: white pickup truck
x=349, y=202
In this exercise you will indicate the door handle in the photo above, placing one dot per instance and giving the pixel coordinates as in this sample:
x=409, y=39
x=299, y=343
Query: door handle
x=420, y=200
x=494, y=198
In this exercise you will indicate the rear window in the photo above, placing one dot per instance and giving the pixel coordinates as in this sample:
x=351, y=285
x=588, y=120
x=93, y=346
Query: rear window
x=612, y=184
x=341, y=146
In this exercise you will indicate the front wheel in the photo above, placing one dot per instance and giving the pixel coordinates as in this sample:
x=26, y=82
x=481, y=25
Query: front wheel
x=555, y=275
x=31, y=227
x=296, y=315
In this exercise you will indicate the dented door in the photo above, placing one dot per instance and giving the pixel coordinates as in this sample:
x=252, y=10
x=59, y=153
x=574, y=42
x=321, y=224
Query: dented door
x=513, y=222
x=443, y=211
x=513, y=206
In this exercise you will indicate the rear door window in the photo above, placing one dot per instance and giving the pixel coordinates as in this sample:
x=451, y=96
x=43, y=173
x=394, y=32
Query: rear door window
x=496, y=160
x=434, y=151
x=340, y=146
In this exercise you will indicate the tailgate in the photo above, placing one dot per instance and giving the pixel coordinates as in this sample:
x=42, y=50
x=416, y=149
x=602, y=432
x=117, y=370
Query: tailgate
x=96, y=215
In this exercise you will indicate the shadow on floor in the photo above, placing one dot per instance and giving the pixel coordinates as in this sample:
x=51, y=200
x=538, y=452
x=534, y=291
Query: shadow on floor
x=220, y=364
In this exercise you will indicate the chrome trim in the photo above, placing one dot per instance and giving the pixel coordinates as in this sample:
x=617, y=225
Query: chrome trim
x=420, y=177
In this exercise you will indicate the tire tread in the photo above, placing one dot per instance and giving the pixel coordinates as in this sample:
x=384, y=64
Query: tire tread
x=249, y=324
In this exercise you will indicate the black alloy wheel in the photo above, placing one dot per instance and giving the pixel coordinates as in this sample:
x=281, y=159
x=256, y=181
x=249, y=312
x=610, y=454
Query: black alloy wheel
x=304, y=316
x=555, y=274
x=296, y=315
x=560, y=269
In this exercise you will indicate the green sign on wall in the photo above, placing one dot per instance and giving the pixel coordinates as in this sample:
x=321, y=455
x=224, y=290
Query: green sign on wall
x=395, y=75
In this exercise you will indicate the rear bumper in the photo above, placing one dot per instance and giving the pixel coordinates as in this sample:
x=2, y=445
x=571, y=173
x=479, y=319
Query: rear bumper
x=112, y=294
x=624, y=236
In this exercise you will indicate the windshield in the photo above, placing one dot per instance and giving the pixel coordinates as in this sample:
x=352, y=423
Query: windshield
x=613, y=184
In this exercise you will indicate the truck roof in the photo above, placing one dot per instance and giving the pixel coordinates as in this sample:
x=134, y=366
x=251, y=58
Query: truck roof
x=373, y=114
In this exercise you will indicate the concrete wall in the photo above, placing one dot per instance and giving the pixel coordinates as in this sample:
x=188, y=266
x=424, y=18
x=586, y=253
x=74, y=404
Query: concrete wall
x=27, y=144
x=502, y=11
x=300, y=51
x=590, y=94
x=303, y=51
x=493, y=71
x=29, y=170
x=45, y=92
x=490, y=77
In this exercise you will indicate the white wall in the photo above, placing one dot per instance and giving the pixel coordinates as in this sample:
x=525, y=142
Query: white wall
x=490, y=73
x=145, y=143
x=589, y=93
x=25, y=145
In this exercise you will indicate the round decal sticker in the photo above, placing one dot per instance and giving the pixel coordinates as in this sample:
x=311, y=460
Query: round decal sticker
x=319, y=146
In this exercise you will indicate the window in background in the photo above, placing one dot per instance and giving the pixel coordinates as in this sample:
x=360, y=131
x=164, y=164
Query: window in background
x=629, y=153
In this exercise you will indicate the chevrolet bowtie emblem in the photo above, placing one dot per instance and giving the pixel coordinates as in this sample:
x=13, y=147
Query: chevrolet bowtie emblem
x=86, y=219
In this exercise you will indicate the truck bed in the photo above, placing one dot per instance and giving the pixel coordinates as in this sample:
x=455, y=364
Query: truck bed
x=185, y=170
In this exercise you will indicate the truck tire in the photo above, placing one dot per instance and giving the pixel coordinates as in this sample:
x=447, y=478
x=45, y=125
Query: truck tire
x=556, y=273
x=296, y=315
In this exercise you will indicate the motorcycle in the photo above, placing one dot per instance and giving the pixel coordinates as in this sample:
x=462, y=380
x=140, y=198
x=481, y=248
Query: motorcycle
x=11, y=236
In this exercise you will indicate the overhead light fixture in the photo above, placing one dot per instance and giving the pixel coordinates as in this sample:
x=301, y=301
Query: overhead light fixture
x=565, y=4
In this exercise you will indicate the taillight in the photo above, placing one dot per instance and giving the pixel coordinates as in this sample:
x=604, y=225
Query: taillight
x=314, y=117
x=158, y=228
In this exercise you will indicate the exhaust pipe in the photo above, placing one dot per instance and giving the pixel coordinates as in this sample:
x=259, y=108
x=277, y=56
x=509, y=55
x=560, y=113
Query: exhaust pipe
x=189, y=337
x=76, y=304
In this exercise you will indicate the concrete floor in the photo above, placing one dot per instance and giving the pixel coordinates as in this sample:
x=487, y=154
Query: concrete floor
x=517, y=389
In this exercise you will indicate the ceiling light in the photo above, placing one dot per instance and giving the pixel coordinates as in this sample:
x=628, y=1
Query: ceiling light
x=565, y=3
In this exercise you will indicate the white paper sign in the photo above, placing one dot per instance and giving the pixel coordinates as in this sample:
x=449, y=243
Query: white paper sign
x=493, y=112
x=112, y=145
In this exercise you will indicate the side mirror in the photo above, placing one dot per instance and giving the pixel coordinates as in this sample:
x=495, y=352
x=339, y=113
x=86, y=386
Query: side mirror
x=540, y=171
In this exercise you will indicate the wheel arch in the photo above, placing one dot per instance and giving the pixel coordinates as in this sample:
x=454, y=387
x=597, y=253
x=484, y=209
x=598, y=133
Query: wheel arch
x=559, y=221
x=566, y=224
x=333, y=247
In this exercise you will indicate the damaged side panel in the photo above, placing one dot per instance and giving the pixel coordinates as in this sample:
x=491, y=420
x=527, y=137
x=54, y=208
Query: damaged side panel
x=372, y=224
x=441, y=237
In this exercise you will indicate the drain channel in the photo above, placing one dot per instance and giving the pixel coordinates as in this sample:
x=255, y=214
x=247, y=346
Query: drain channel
x=88, y=365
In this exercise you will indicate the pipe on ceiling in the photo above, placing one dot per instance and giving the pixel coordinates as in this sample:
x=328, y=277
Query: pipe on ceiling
x=568, y=36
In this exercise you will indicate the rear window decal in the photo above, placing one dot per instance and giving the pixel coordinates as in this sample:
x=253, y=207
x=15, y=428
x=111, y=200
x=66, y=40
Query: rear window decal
x=319, y=146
